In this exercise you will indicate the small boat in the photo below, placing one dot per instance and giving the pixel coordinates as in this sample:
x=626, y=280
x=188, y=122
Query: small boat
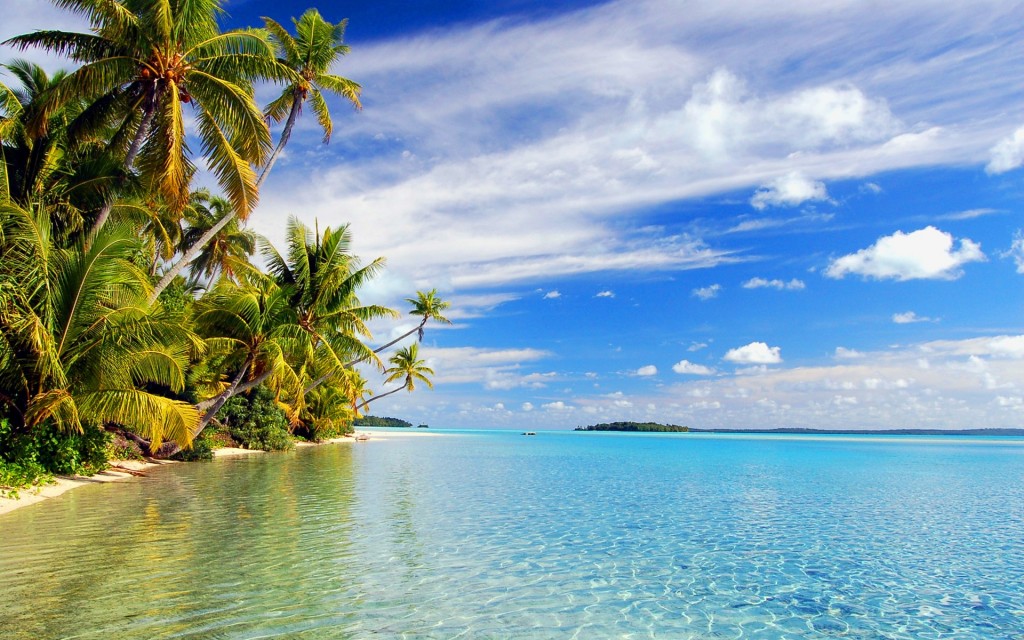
x=529, y=433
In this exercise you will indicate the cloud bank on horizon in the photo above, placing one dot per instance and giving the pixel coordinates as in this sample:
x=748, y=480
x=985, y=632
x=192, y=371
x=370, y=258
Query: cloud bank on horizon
x=603, y=189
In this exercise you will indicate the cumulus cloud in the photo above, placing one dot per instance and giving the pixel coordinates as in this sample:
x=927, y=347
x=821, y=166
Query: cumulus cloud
x=909, y=317
x=686, y=367
x=788, y=191
x=1008, y=154
x=551, y=295
x=647, y=370
x=706, y=293
x=755, y=353
x=527, y=406
x=923, y=254
x=605, y=294
x=762, y=283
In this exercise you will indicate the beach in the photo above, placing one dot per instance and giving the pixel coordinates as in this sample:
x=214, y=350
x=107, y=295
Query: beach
x=126, y=469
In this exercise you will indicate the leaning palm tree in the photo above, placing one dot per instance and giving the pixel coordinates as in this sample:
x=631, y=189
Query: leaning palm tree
x=78, y=345
x=145, y=60
x=407, y=367
x=429, y=306
x=316, y=47
x=308, y=57
x=324, y=279
x=253, y=330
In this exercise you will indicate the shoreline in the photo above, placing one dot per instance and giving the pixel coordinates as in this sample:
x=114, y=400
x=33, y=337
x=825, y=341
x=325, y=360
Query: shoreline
x=127, y=469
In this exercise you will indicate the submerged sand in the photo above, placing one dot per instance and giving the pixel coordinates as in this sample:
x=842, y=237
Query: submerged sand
x=119, y=470
x=125, y=469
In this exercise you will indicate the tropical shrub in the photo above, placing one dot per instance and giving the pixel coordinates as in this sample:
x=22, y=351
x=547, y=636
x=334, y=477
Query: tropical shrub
x=256, y=422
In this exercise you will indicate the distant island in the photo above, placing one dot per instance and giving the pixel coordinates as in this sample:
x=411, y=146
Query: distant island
x=375, y=421
x=652, y=427
x=869, y=432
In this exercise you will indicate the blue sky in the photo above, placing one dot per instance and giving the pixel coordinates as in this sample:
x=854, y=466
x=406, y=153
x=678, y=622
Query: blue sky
x=719, y=214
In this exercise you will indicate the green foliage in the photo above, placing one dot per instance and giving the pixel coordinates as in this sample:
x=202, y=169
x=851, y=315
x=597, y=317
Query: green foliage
x=201, y=449
x=121, y=448
x=375, y=421
x=28, y=455
x=256, y=421
x=636, y=426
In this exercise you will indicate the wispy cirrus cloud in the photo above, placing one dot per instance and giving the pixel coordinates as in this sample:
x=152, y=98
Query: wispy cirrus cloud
x=500, y=181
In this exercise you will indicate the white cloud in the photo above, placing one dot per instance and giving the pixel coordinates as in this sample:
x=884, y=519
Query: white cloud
x=760, y=283
x=848, y=354
x=909, y=317
x=647, y=370
x=527, y=406
x=755, y=353
x=697, y=346
x=605, y=294
x=557, y=406
x=788, y=191
x=706, y=293
x=1016, y=251
x=1008, y=154
x=491, y=368
x=551, y=295
x=924, y=254
x=686, y=367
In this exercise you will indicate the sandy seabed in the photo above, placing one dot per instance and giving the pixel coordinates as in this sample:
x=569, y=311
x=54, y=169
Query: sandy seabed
x=122, y=469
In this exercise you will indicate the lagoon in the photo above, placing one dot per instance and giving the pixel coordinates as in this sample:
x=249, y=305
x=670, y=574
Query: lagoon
x=490, y=534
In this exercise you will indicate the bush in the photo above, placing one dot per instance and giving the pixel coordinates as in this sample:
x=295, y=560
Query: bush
x=256, y=421
x=201, y=449
x=121, y=448
x=30, y=459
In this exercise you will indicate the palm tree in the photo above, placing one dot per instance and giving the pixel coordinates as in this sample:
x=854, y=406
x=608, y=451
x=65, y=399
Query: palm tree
x=31, y=153
x=253, y=330
x=405, y=366
x=310, y=55
x=78, y=344
x=324, y=279
x=429, y=306
x=143, y=62
x=10, y=109
x=228, y=248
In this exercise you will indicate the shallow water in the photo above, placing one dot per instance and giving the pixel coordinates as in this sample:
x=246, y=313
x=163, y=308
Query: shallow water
x=562, y=535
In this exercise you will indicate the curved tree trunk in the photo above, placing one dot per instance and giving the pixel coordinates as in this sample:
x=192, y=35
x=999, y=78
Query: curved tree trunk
x=213, y=405
x=367, y=403
x=129, y=161
x=348, y=365
x=204, y=240
x=286, y=133
x=189, y=256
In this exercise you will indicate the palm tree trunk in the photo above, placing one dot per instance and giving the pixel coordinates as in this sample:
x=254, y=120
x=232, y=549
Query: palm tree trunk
x=196, y=248
x=213, y=405
x=189, y=255
x=348, y=365
x=367, y=403
x=286, y=133
x=129, y=161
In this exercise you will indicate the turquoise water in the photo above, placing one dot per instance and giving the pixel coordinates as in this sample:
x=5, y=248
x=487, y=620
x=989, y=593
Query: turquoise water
x=562, y=535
